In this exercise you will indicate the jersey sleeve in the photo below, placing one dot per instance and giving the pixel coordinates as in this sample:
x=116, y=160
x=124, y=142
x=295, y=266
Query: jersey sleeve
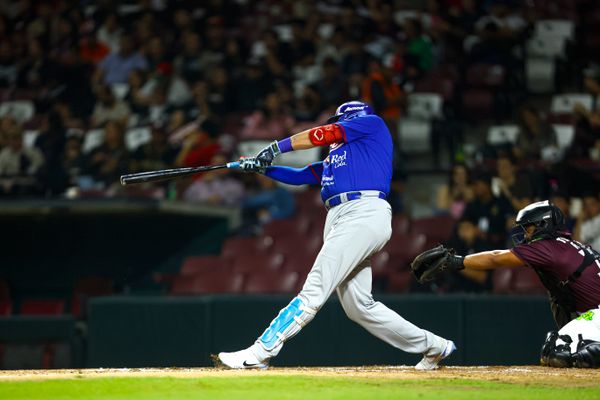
x=536, y=255
x=309, y=175
x=357, y=128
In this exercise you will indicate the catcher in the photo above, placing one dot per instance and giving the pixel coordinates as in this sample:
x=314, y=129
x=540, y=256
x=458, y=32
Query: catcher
x=568, y=269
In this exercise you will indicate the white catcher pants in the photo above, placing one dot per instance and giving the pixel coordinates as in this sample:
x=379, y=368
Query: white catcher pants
x=353, y=232
x=587, y=325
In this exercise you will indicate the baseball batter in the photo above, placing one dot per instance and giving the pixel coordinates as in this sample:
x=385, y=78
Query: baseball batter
x=569, y=270
x=355, y=180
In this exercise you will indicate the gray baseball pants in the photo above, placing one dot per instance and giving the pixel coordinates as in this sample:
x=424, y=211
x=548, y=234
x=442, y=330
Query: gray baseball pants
x=353, y=232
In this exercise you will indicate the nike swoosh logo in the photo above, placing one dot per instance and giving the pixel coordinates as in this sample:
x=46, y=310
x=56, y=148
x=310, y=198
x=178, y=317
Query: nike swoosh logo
x=250, y=365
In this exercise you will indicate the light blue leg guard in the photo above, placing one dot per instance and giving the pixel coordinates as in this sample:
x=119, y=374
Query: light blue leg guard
x=286, y=325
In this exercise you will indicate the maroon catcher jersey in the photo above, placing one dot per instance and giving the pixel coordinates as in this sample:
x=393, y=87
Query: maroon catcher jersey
x=559, y=258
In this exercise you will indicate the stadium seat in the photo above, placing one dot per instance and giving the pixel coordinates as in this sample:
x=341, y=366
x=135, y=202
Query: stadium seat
x=425, y=106
x=258, y=262
x=526, y=281
x=564, y=136
x=92, y=139
x=301, y=263
x=435, y=84
x=414, y=135
x=558, y=28
x=291, y=245
x=501, y=280
x=485, y=75
x=244, y=245
x=86, y=288
x=564, y=103
x=380, y=264
x=135, y=137
x=277, y=228
x=399, y=281
x=478, y=104
x=199, y=264
x=439, y=227
x=267, y=282
x=540, y=74
x=5, y=308
x=502, y=134
x=400, y=223
x=405, y=245
x=207, y=283
x=547, y=47
x=4, y=290
x=42, y=307
x=21, y=110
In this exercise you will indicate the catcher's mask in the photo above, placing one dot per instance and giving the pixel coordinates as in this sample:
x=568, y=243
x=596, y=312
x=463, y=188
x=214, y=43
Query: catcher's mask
x=548, y=220
x=349, y=110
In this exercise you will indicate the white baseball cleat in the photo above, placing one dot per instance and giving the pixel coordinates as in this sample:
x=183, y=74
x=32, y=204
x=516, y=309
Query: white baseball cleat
x=243, y=359
x=430, y=362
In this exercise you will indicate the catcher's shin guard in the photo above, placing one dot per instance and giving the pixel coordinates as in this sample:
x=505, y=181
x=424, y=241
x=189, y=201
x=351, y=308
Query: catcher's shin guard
x=558, y=356
x=587, y=355
x=286, y=325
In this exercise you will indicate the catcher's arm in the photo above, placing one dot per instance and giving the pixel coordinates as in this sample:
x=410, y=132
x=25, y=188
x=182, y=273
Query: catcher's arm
x=492, y=259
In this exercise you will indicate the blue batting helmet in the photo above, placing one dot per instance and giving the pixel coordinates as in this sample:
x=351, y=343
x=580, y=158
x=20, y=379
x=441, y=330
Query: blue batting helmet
x=349, y=110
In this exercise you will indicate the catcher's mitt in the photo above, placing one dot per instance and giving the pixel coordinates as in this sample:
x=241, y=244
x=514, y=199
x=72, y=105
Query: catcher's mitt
x=429, y=264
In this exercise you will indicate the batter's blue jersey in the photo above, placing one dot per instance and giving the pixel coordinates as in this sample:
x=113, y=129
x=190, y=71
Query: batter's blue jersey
x=362, y=162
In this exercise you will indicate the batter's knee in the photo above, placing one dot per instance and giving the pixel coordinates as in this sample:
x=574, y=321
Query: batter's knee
x=356, y=311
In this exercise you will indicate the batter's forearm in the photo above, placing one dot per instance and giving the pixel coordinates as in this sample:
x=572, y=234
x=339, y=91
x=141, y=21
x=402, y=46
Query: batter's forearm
x=310, y=175
x=314, y=137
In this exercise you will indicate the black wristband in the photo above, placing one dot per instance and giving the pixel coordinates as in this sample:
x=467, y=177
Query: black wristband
x=456, y=263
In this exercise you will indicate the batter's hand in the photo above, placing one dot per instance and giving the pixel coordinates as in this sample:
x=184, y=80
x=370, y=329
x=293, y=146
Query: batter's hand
x=429, y=264
x=250, y=164
x=268, y=154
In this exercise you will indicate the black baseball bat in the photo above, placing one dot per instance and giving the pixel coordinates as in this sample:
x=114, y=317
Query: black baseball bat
x=164, y=174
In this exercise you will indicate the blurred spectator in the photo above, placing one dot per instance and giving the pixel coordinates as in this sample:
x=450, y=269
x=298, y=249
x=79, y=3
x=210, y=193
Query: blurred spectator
x=487, y=211
x=91, y=50
x=188, y=63
x=19, y=163
x=273, y=122
x=563, y=201
x=216, y=187
x=154, y=155
x=269, y=202
x=8, y=64
x=74, y=161
x=419, y=49
x=108, y=108
x=199, y=146
x=109, y=32
x=115, y=68
x=468, y=240
x=252, y=87
x=139, y=93
x=332, y=86
x=454, y=195
x=384, y=95
x=220, y=92
x=36, y=69
x=535, y=135
x=110, y=160
x=51, y=143
x=587, y=227
x=511, y=186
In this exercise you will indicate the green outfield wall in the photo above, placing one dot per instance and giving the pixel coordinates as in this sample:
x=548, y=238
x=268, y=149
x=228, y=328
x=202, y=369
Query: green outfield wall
x=183, y=332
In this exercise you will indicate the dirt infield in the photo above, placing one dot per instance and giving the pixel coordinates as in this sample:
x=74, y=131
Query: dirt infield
x=530, y=375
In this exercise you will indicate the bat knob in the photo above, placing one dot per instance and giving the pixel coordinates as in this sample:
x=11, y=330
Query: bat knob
x=123, y=182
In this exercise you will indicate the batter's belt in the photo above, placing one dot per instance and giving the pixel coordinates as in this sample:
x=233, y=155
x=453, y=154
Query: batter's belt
x=349, y=196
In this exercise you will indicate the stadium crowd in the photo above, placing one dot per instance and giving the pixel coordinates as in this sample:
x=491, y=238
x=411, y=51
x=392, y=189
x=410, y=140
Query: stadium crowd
x=92, y=90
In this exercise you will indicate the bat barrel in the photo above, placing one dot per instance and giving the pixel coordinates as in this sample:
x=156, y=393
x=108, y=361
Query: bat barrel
x=165, y=174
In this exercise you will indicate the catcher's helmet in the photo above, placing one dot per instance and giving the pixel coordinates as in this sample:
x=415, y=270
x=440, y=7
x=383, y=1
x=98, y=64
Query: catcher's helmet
x=548, y=220
x=349, y=110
